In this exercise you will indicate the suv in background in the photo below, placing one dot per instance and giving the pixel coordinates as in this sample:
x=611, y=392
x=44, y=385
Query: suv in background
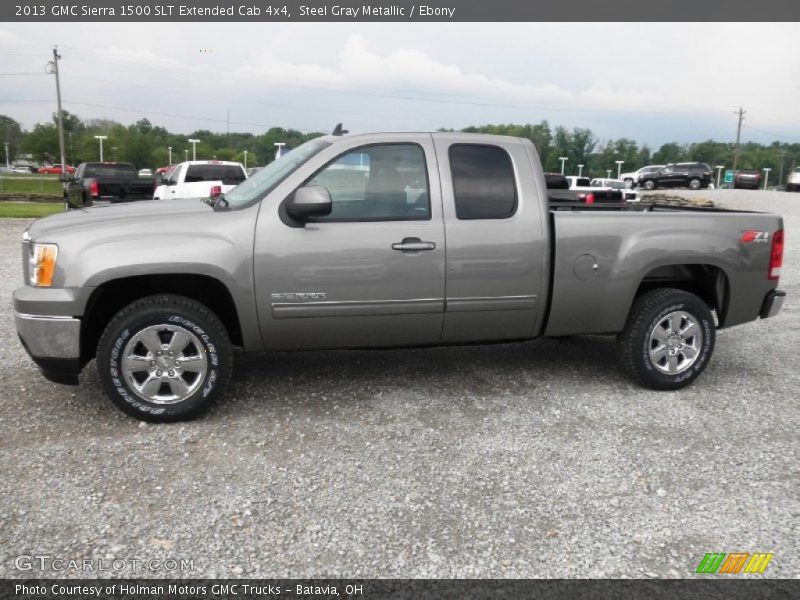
x=747, y=178
x=200, y=179
x=694, y=175
x=631, y=179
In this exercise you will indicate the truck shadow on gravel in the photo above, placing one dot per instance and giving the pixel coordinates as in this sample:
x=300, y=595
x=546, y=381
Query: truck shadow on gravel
x=478, y=371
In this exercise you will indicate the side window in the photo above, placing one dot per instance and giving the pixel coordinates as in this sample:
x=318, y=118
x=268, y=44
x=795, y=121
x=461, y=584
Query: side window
x=387, y=182
x=483, y=182
x=174, y=175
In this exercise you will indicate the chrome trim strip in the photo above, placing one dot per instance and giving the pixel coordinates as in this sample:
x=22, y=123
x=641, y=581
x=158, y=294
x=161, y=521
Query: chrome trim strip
x=489, y=303
x=356, y=308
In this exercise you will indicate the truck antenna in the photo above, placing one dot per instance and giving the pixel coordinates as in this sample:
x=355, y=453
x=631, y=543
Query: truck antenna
x=338, y=130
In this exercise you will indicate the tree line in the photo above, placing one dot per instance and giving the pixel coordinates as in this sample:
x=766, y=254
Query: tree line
x=146, y=145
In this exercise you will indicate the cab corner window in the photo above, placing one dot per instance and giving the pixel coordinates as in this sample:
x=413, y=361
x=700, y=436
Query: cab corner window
x=483, y=182
x=387, y=182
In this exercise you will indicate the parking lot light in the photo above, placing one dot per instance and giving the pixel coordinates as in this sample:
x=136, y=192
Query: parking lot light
x=608, y=173
x=245, y=159
x=169, y=149
x=563, y=159
x=100, y=138
x=185, y=155
x=580, y=170
x=194, y=148
x=7, y=145
x=766, y=176
x=719, y=172
x=619, y=167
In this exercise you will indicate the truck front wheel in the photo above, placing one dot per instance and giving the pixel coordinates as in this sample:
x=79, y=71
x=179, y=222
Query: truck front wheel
x=649, y=185
x=164, y=358
x=668, y=340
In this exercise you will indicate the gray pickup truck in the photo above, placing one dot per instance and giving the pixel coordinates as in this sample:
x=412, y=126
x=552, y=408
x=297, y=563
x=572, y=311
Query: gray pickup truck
x=396, y=239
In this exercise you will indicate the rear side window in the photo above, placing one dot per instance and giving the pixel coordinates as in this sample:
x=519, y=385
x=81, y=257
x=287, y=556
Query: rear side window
x=109, y=170
x=483, y=182
x=228, y=174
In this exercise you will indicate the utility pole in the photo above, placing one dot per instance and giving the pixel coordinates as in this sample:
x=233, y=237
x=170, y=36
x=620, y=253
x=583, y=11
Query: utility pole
x=782, y=154
x=741, y=112
x=54, y=64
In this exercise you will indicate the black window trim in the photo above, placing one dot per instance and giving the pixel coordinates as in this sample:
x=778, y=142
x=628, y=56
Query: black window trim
x=513, y=171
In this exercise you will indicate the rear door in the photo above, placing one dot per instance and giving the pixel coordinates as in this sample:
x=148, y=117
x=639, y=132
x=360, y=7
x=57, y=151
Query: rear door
x=494, y=216
x=372, y=272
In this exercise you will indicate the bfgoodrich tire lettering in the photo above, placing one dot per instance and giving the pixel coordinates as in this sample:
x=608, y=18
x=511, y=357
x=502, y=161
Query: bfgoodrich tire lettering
x=164, y=358
x=694, y=330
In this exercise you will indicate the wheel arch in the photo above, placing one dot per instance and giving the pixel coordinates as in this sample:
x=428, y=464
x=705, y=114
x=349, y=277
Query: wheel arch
x=111, y=296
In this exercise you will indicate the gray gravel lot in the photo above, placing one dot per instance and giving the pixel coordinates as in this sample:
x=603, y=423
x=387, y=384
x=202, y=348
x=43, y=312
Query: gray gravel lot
x=523, y=460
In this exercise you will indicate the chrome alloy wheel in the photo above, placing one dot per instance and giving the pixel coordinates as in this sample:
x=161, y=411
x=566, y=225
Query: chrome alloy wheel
x=164, y=364
x=675, y=342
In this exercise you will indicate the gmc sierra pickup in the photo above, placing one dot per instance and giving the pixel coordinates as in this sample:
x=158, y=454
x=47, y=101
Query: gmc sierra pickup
x=396, y=239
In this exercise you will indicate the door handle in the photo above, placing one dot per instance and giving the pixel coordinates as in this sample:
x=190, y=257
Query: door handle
x=413, y=244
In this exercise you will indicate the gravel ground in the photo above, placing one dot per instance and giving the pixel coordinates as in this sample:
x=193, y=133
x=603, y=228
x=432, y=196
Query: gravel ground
x=526, y=460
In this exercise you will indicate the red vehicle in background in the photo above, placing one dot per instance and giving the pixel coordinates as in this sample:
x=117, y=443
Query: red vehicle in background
x=747, y=178
x=55, y=170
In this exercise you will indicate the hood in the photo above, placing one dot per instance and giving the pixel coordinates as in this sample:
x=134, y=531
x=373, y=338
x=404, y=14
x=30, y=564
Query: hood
x=139, y=214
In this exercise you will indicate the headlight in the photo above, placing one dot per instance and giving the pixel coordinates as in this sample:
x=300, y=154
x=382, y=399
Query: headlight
x=42, y=264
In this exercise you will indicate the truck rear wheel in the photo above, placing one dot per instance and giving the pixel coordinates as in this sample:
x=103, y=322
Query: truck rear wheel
x=668, y=340
x=649, y=185
x=164, y=358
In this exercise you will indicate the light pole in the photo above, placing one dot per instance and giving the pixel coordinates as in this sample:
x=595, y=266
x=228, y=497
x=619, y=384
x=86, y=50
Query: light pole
x=279, y=148
x=101, y=138
x=6, y=145
x=245, y=159
x=185, y=155
x=766, y=177
x=608, y=173
x=169, y=149
x=619, y=167
x=580, y=170
x=719, y=172
x=194, y=148
x=782, y=154
x=563, y=159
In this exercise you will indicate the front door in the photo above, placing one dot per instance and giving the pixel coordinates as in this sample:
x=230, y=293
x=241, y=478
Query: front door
x=369, y=274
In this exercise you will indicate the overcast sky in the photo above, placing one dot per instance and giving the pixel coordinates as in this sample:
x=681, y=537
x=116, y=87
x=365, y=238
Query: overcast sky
x=650, y=82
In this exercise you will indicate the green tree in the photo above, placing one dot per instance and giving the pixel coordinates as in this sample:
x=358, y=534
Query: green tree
x=11, y=133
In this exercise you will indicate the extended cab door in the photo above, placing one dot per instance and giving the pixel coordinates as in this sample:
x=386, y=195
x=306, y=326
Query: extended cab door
x=372, y=272
x=495, y=214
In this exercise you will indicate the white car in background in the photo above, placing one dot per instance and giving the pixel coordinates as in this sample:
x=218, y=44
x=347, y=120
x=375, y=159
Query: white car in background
x=793, y=180
x=631, y=179
x=200, y=179
x=629, y=194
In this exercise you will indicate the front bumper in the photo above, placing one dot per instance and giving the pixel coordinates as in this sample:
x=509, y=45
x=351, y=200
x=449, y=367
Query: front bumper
x=54, y=344
x=773, y=303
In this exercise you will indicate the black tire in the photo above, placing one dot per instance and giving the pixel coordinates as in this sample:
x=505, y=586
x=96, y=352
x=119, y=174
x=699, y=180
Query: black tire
x=647, y=313
x=173, y=313
x=695, y=184
x=649, y=185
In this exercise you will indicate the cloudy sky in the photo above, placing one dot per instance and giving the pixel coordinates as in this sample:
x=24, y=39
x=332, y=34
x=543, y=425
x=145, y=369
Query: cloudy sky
x=650, y=82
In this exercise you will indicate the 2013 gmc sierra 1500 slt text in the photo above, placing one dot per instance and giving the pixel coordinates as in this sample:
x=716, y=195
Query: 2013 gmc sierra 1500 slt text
x=395, y=239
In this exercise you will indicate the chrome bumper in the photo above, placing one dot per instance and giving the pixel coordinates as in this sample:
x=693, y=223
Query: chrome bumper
x=49, y=337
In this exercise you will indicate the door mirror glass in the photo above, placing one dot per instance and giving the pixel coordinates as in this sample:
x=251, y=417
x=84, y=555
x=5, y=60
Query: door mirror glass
x=309, y=201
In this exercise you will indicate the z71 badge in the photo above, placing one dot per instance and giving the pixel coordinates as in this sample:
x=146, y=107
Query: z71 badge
x=759, y=237
x=298, y=295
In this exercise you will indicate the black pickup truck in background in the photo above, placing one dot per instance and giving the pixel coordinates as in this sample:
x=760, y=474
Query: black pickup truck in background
x=111, y=181
x=558, y=191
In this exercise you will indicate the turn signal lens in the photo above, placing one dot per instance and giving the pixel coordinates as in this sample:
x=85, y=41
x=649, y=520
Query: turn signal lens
x=42, y=264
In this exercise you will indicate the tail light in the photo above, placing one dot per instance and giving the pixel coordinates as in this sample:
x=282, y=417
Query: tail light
x=216, y=190
x=94, y=189
x=589, y=198
x=776, y=257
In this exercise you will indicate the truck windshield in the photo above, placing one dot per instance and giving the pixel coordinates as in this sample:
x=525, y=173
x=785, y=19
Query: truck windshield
x=267, y=178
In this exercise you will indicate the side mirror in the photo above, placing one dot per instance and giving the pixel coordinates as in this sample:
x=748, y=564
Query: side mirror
x=309, y=201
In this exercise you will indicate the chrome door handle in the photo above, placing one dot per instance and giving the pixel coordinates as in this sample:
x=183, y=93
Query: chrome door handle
x=413, y=245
